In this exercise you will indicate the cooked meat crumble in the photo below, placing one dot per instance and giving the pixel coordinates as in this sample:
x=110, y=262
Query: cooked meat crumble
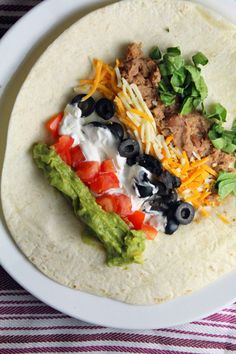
x=190, y=132
x=143, y=72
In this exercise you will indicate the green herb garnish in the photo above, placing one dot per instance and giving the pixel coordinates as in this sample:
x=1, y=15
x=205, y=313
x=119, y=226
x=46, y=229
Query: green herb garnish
x=218, y=113
x=182, y=81
x=226, y=184
x=155, y=53
x=200, y=59
x=222, y=139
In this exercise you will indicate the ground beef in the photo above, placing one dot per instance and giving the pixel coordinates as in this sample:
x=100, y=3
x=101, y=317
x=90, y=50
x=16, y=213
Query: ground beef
x=221, y=161
x=190, y=131
x=161, y=115
x=143, y=72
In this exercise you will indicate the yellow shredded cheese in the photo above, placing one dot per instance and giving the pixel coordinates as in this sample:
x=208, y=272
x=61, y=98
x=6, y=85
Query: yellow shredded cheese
x=204, y=212
x=98, y=68
x=196, y=176
x=223, y=218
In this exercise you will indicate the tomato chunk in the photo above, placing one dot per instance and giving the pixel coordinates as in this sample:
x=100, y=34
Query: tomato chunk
x=106, y=202
x=62, y=148
x=77, y=156
x=122, y=205
x=137, y=219
x=64, y=143
x=108, y=166
x=103, y=182
x=88, y=170
x=53, y=124
x=150, y=231
x=116, y=203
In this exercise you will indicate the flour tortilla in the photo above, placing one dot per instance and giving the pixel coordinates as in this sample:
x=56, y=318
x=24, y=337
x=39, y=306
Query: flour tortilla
x=39, y=218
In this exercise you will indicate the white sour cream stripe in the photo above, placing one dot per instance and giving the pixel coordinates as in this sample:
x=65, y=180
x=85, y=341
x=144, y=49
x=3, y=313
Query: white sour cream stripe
x=99, y=144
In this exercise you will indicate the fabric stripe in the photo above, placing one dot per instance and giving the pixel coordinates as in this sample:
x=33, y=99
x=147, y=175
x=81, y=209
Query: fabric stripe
x=181, y=342
x=90, y=349
x=8, y=20
x=14, y=8
x=219, y=325
x=19, y=302
x=11, y=11
x=198, y=334
x=124, y=346
x=14, y=310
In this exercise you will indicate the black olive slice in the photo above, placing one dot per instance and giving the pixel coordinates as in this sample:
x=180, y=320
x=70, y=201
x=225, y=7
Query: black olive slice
x=144, y=190
x=105, y=108
x=97, y=124
x=166, y=178
x=131, y=161
x=128, y=148
x=171, y=197
x=171, y=226
x=117, y=130
x=162, y=191
x=176, y=181
x=160, y=206
x=87, y=107
x=157, y=204
x=143, y=177
x=184, y=213
x=150, y=163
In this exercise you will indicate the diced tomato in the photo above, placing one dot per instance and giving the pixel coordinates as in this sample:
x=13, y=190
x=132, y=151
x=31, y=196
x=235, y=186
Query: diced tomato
x=103, y=182
x=126, y=220
x=77, y=156
x=88, y=170
x=64, y=143
x=52, y=125
x=117, y=203
x=66, y=156
x=137, y=219
x=108, y=166
x=106, y=202
x=150, y=231
x=122, y=205
x=63, y=146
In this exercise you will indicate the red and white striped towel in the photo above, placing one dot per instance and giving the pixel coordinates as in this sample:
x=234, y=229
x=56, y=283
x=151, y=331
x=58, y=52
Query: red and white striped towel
x=28, y=326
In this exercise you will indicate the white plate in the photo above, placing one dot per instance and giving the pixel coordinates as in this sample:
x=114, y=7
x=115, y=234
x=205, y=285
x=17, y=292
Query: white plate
x=56, y=15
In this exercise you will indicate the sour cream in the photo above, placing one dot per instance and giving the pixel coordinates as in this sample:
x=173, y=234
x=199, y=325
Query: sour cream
x=157, y=220
x=99, y=144
x=71, y=124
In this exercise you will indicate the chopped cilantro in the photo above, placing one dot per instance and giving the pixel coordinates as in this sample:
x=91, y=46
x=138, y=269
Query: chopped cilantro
x=173, y=51
x=226, y=184
x=182, y=81
x=222, y=139
x=155, y=53
x=218, y=113
x=200, y=59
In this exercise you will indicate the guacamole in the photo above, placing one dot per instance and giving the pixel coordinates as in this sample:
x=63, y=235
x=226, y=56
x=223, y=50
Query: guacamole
x=122, y=245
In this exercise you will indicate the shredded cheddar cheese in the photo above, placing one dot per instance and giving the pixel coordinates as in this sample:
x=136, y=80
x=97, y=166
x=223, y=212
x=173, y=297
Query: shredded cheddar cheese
x=204, y=212
x=105, y=81
x=223, y=218
x=196, y=176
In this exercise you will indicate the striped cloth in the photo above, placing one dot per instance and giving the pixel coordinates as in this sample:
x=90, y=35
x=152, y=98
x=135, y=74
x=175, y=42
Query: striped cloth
x=28, y=326
x=12, y=10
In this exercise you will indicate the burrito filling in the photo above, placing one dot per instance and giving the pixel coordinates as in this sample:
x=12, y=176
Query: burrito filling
x=136, y=151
